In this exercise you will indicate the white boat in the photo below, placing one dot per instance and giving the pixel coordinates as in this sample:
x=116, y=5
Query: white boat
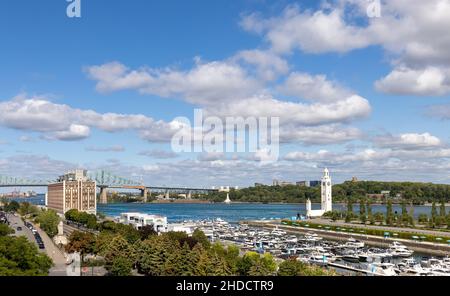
x=353, y=244
x=399, y=250
x=383, y=269
x=312, y=237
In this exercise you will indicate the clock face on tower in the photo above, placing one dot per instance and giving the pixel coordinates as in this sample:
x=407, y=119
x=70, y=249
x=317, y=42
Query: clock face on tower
x=328, y=184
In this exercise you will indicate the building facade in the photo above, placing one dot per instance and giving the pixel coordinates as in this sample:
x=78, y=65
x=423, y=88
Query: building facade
x=73, y=190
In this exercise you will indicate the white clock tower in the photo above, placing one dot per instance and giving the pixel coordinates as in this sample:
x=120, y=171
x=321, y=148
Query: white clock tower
x=326, y=192
x=326, y=197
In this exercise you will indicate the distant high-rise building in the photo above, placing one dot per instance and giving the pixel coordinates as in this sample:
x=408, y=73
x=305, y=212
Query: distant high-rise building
x=73, y=190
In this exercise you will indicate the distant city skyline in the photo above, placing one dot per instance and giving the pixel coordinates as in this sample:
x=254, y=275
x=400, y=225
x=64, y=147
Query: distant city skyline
x=364, y=96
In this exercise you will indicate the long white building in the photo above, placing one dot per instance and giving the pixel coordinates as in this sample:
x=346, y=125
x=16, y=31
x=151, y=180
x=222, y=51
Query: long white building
x=139, y=220
x=326, y=197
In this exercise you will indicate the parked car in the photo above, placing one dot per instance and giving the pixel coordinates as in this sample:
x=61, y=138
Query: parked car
x=19, y=228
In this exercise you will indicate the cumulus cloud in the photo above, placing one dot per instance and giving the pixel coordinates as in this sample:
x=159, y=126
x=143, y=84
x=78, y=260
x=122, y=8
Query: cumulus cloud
x=430, y=81
x=413, y=32
x=62, y=122
x=313, y=87
x=205, y=83
x=408, y=141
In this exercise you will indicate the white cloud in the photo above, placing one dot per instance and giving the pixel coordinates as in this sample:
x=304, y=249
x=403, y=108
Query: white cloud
x=413, y=32
x=268, y=65
x=408, y=141
x=345, y=110
x=62, y=122
x=430, y=81
x=315, y=88
x=205, y=83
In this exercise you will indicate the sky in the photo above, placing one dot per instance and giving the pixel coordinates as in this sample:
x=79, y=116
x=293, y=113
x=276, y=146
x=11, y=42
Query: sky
x=364, y=95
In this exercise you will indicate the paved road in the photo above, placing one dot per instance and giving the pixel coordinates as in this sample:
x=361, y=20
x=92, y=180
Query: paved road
x=17, y=222
x=59, y=260
x=59, y=268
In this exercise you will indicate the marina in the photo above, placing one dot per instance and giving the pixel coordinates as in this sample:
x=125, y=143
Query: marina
x=348, y=257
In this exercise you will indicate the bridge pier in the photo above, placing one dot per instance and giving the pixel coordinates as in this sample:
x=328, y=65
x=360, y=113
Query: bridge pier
x=144, y=194
x=103, y=195
x=189, y=195
x=167, y=195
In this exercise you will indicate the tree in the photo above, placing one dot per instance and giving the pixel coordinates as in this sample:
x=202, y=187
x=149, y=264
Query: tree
x=81, y=242
x=5, y=230
x=433, y=214
x=28, y=209
x=12, y=206
x=19, y=257
x=405, y=216
x=292, y=267
x=442, y=209
x=147, y=231
x=48, y=221
x=201, y=238
x=369, y=212
x=362, y=211
x=423, y=218
x=119, y=257
x=389, y=213
x=349, y=215
x=379, y=217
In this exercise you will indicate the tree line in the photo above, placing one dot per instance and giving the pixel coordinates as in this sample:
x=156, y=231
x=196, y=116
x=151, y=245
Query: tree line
x=416, y=193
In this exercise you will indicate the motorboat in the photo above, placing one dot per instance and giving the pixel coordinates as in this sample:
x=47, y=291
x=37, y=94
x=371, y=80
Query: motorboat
x=353, y=244
x=399, y=250
x=383, y=269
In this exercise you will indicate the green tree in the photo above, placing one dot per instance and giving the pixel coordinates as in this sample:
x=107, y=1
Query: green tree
x=19, y=257
x=12, y=206
x=433, y=214
x=48, y=221
x=292, y=267
x=442, y=209
x=369, y=212
x=379, y=217
x=28, y=209
x=423, y=218
x=389, y=213
x=147, y=231
x=349, y=215
x=119, y=255
x=201, y=238
x=5, y=230
x=362, y=211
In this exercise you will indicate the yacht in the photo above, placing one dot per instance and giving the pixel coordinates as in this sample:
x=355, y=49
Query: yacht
x=384, y=269
x=399, y=250
x=353, y=244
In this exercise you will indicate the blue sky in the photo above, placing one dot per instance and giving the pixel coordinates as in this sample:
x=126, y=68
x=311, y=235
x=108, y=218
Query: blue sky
x=366, y=97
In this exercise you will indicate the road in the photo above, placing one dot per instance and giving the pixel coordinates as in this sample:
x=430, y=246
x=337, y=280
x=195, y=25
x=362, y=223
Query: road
x=17, y=222
x=59, y=260
x=59, y=268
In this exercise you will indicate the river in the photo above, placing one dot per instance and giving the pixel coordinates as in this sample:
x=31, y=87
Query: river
x=228, y=212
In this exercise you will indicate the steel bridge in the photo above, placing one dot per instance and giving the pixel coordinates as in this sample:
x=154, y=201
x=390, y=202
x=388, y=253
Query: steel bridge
x=104, y=181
